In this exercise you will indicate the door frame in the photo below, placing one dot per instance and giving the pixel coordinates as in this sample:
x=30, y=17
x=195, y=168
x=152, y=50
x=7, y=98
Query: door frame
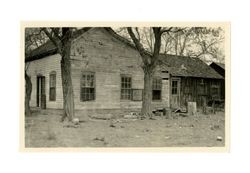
x=178, y=79
x=41, y=91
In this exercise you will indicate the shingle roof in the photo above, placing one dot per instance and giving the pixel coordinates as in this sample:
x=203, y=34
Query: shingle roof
x=188, y=67
x=44, y=50
x=219, y=64
x=176, y=65
x=49, y=48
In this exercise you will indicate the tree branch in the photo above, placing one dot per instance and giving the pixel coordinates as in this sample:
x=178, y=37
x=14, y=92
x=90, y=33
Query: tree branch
x=79, y=32
x=138, y=46
x=53, y=39
x=166, y=30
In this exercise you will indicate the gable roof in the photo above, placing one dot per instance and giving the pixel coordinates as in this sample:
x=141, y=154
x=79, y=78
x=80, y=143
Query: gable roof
x=221, y=65
x=176, y=65
x=183, y=66
x=49, y=48
x=42, y=51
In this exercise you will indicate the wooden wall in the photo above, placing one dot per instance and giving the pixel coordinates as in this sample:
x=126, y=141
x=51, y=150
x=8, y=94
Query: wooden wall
x=200, y=90
x=109, y=58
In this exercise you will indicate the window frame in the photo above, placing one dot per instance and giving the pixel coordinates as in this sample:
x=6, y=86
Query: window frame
x=53, y=73
x=91, y=98
x=176, y=87
x=157, y=86
x=215, y=85
x=128, y=89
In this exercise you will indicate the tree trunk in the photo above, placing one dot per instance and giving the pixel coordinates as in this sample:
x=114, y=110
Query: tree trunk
x=68, y=94
x=28, y=90
x=147, y=93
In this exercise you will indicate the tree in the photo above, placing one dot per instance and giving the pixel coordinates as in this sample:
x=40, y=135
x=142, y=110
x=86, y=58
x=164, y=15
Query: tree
x=200, y=42
x=149, y=59
x=33, y=39
x=62, y=38
x=28, y=90
x=209, y=43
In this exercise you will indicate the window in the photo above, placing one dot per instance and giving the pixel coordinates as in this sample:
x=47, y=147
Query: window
x=201, y=81
x=156, y=89
x=174, y=87
x=126, y=88
x=202, y=87
x=87, y=91
x=215, y=89
x=187, y=85
x=52, y=86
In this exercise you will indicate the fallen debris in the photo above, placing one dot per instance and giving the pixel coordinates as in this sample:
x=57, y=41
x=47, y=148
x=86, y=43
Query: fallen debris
x=112, y=125
x=147, y=130
x=132, y=115
x=219, y=138
x=177, y=111
x=215, y=127
x=183, y=115
x=101, y=116
x=99, y=139
x=71, y=126
x=76, y=121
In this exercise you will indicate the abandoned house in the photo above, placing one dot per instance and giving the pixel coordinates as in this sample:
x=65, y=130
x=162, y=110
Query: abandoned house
x=107, y=75
x=220, y=68
x=192, y=80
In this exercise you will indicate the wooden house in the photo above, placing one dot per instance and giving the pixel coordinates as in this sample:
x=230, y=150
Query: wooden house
x=220, y=68
x=192, y=80
x=107, y=76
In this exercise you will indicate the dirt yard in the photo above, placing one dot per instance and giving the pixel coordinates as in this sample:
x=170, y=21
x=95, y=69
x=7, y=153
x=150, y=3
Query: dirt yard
x=42, y=130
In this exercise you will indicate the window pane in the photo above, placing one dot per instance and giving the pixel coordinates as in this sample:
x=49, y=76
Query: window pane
x=52, y=94
x=156, y=95
x=52, y=90
x=174, y=83
x=126, y=88
x=156, y=89
x=87, y=87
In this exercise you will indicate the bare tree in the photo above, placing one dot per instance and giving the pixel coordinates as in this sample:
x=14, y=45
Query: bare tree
x=149, y=59
x=208, y=41
x=33, y=39
x=62, y=38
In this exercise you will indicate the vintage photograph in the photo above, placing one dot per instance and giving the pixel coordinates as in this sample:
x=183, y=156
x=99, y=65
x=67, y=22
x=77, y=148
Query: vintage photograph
x=125, y=86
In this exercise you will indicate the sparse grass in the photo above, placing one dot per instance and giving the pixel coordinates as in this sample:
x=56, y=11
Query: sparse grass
x=195, y=131
x=51, y=136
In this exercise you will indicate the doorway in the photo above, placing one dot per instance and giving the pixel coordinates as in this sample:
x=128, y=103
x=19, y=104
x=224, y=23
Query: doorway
x=175, y=93
x=41, y=94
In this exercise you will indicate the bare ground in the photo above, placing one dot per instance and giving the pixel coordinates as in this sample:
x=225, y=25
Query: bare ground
x=43, y=130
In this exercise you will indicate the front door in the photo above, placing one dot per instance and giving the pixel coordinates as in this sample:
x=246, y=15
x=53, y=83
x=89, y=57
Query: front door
x=41, y=94
x=175, y=93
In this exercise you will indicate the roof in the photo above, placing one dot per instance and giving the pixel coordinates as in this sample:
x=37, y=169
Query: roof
x=49, y=48
x=183, y=66
x=221, y=65
x=42, y=51
x=176, y=65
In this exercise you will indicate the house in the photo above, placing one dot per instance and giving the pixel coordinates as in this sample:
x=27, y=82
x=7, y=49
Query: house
x=220, y=68
x=191, y=80
x=107, y=76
